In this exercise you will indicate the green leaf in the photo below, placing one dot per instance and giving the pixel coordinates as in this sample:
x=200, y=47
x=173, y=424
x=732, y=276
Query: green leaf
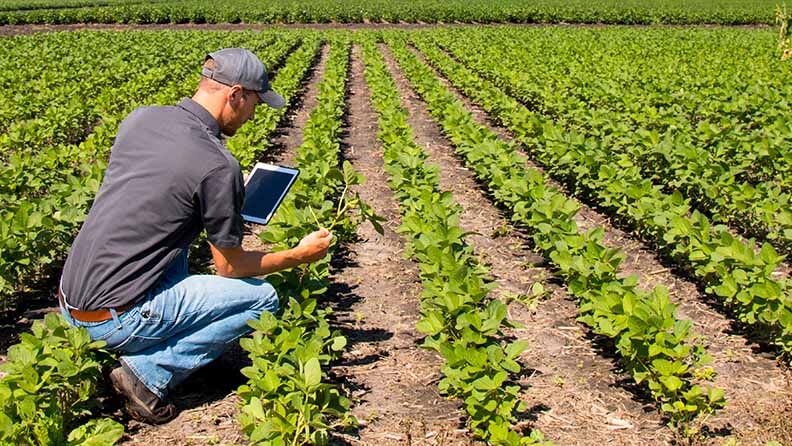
x=103, y=432
x=516, y=348
x=339, y=342
x=431, y=324
x=672, y=383
x=312, y=373
x=255, y=408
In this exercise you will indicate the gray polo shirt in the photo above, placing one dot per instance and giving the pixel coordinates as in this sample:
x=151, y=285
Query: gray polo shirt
x=169, y=177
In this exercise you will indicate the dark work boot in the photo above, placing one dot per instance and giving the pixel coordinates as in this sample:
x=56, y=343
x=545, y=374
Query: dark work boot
x=141, y=403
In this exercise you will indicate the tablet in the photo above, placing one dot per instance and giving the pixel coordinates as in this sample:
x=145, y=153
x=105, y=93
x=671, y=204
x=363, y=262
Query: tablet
x=264, y=190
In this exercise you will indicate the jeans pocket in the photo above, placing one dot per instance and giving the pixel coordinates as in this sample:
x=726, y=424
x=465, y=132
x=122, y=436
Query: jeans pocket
x=119, y=333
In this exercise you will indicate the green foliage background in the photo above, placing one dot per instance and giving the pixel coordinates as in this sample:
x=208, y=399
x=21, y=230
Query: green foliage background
x=392, y=11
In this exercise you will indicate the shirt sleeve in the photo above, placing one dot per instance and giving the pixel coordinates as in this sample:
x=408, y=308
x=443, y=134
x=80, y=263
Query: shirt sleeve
x=220, y=196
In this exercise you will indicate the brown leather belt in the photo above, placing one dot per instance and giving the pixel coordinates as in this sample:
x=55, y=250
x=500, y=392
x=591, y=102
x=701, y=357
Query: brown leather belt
x=92, y=316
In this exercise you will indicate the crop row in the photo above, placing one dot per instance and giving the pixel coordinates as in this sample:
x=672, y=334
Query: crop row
x=656, y=348
x=28, y=5
x=734, y=270
x=50, y=388
x=433, y=11
x=461, y=321
x=287, y=399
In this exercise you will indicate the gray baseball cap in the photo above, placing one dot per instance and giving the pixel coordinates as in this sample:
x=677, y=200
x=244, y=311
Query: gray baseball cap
x=238, y=66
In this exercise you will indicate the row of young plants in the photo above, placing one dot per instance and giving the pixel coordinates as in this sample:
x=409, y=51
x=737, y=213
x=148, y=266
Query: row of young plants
x=736, y=271
x=394, y=11
x=288, y=399
x=730, y=160
x=27, y=5
x=659, y=350
x=50, y=388
x=59, y=182
x=461, y=321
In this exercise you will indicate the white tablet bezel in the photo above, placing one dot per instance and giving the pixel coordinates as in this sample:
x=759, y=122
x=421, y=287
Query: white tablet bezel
x=264, y=166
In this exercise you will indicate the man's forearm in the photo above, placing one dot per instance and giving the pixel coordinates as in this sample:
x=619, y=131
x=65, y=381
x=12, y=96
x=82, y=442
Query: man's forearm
x=260, y=264
x=256, y=263
x=237, y=262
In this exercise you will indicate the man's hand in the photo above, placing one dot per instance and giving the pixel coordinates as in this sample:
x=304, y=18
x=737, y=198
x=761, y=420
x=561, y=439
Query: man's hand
x=314, y=245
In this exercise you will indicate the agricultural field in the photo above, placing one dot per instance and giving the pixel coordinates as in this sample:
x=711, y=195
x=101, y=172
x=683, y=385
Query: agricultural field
x=566, y=235
x=731, y=12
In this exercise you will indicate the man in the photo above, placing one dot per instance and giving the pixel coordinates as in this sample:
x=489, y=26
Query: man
x=170, y=177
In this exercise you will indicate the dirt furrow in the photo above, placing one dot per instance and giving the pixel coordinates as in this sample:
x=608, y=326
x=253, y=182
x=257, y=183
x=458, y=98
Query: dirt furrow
x=289, y=135
x=574, y=392
x=376, y=300
x=757, y=387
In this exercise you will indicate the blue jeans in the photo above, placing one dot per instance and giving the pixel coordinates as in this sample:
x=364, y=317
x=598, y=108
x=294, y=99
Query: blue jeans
x=184, y=323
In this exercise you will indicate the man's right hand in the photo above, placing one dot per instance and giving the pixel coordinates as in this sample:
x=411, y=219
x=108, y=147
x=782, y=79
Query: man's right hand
x=314, y=245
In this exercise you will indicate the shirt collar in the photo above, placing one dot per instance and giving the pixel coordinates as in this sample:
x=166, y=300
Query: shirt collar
x=202, y=114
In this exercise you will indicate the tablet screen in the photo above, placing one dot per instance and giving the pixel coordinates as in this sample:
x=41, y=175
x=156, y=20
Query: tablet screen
x=265, y=188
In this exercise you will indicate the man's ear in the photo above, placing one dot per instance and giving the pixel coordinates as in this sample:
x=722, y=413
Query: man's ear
x=234, y=95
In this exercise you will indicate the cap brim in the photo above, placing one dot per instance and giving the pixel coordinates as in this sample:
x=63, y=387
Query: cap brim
x=272, y=99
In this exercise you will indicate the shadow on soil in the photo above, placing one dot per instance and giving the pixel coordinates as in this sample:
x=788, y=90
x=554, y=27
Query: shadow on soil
x=18, y=312
x=342, y=297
